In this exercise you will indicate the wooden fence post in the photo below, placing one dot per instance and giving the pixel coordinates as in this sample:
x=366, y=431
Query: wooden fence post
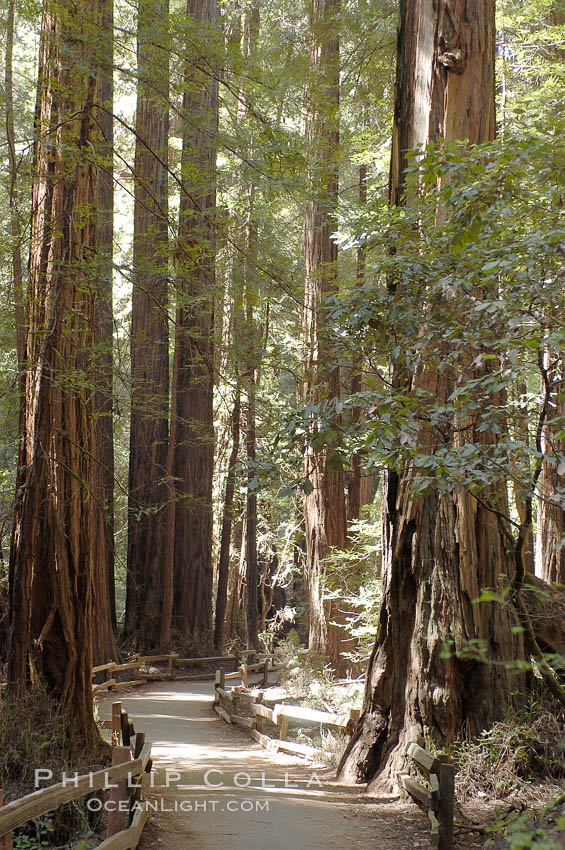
x=125, y=728
x=284, y=728
x=259, y=717
x=171, y=666
x=6, y=841
x=266, y=673
x=234, y=705
x=447, y=773
x=243, y=674
x=116, y=724
x=118, y=810
x=223, y=678
x=354, y=715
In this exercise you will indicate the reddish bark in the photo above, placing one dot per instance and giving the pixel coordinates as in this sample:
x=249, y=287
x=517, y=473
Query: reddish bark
x=440, y=550
x=104, y=622
x=52, y=558
x=148, y=492
x=193, y=377
x=324, y=506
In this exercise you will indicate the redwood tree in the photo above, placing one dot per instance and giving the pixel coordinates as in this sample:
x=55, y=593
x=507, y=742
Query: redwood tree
x=440, y=549
x=192, y=430
x=148, y=490
x=52, y=555
x=104, y=622
x=324, y=505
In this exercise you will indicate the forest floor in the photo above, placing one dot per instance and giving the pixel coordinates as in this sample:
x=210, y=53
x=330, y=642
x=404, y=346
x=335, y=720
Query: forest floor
x=224, y=790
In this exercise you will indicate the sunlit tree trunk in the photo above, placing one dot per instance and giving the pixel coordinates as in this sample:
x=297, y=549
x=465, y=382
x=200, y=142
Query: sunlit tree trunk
x=551, y=516
x=52, y=558
x=440, y=550
x=226, y=529
x=193, y=376
x=324, y=505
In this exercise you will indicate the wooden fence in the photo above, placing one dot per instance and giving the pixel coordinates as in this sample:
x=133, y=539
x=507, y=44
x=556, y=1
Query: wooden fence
x=141, y=677
x=439, y=797
x=131, y=758
x=227, y=704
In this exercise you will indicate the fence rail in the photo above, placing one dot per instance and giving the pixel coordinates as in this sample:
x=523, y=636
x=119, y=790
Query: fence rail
x=439, y=798
x=227, y=706
x=131, y=758
x=141, y=677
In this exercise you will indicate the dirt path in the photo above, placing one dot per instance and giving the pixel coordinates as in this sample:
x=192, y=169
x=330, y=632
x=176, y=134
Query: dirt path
x=225, y=791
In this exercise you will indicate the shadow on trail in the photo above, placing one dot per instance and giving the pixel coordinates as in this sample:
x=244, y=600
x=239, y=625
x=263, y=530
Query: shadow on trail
x=213, y=786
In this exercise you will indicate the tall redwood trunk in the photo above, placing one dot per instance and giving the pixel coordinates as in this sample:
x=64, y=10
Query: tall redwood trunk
x=52, y=557
x=148, y=490
x=440, y=550
x=104, y=622
x=193, y=376
x=324, y=506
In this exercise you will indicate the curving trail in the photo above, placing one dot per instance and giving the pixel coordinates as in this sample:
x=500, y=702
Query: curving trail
x=281, y=804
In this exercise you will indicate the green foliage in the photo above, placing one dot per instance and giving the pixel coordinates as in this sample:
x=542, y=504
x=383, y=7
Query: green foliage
x=44, y=830
x=353, y=576
x=472, y=299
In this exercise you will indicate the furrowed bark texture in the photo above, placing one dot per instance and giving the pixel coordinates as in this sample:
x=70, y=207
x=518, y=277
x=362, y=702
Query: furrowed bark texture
x=104, y=622
x=440, y=550
x=324, y=506
x=51, y=563
x=194, y=343
x=148, y=491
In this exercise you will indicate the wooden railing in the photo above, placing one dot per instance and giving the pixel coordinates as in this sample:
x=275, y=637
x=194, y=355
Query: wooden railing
x=131, y=758
x=439, y=797
x=141, y=677
x=227, y=705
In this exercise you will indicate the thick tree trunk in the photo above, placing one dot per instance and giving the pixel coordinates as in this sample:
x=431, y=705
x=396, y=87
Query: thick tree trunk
x=551, y=516
x=440, y=550
x=194, y=346
x=52, y=559
x=104, y=622
x=324, y=506
x=148, y=491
